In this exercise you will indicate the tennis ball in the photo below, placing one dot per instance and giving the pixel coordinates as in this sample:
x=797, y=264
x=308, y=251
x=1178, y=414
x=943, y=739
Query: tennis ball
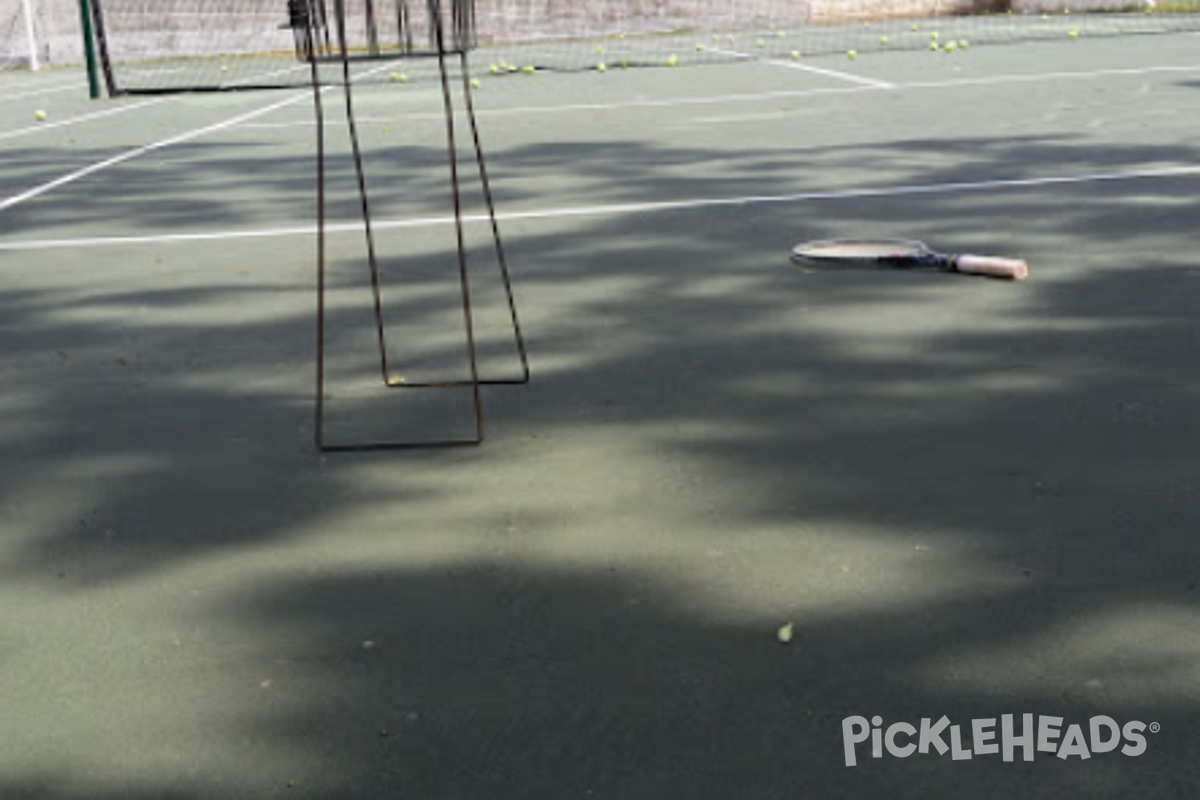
x=850, y=54
x=950, y=47
x=934, y=35
x=795, y=55
x=394, y=77
x=964, y=44
x=699, y=48
x=883, y=40
x=599, y=48
x=781, y=35
x=624, y=64
x=494, y=69
x=913, y=28
x=529, y=70
x=672, y=61
x=761, y=43
x=39, y=115
x=601, y=67
x=475, y=84
x=1073, y=34
x=933, y=46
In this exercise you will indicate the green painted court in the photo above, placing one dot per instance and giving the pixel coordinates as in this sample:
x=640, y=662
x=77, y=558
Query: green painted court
x=971, y=497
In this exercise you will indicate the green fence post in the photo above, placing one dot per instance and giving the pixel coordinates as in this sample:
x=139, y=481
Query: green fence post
x=89, y=48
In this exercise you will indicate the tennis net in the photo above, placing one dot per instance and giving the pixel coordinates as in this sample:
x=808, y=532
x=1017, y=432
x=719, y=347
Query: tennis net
x=207, y=45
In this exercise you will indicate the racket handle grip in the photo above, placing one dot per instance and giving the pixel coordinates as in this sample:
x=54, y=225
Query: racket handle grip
x=1010, y=268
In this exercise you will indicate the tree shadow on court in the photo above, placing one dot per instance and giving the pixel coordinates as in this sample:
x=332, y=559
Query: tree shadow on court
x=972, y=499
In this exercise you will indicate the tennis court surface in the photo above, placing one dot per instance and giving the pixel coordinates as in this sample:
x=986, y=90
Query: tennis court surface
x=969, y=497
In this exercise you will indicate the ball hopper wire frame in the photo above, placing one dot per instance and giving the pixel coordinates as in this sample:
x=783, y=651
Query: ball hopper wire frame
x=475, y=381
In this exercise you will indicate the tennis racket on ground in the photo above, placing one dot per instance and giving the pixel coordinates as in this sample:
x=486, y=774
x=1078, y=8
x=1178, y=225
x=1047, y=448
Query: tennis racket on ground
x=905, y=254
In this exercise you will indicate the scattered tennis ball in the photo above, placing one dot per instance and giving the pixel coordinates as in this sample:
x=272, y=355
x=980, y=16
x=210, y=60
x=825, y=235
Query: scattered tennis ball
x=761, y=43
x=950, y=48
x=786, y=633
x=621, y=37
x=475, y=84
x=529, y=70
x=933, y=46
x=699, y=48
x=599, y=48
x=716, y=37
x=601, y=67
x=964, y=44
x=494, y=69
x=913, y=28
x=513, y=68
x=1073, y=34
x=39, y=115
x=1045, y=16
x=883, y=40
x=781, y=35
x=672, y=61
x=934, y=35
x=851, y=54
x=624, y=64
x=772, y=27
x=795, y=55
x=394, y=77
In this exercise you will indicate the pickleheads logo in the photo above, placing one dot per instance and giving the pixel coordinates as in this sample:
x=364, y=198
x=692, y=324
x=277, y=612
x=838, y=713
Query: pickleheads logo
x=1047, y=735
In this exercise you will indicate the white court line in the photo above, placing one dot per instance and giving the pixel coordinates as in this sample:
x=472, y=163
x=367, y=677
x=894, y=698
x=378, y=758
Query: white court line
x=82, y=87
x=996, y=80
x=45, y=126
x=129, y=155
x=828, y=73
x=159, y=145
x=42, y=127
x=625, y=209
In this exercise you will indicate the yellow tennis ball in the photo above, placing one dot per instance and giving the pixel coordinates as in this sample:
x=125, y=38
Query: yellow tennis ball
x=883, y=40
x=964, y=44
x=475, y=84
x=672, y=61
x=394, y=77
x=795, y=55
x=1073, y=34
x=39, y=115
x=494, y=69
x=601, y=67
x=699, y=48
x=761, y=43
x=933, y=46
x=851, y=54
x=933, y=35
x=529, y=70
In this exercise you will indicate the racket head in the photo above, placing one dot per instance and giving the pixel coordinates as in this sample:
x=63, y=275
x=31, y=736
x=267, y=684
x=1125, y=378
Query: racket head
x=861, y=251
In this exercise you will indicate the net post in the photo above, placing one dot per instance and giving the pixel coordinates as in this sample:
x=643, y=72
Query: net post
x=30, y=34
x=89, y=48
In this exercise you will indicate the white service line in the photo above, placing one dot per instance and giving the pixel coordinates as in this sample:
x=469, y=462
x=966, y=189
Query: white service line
x=524, y=111
x=159, y=145
x=624, y=209
x=137, y=152
x=81, y=87
x=42, y=127
x=828, y=73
